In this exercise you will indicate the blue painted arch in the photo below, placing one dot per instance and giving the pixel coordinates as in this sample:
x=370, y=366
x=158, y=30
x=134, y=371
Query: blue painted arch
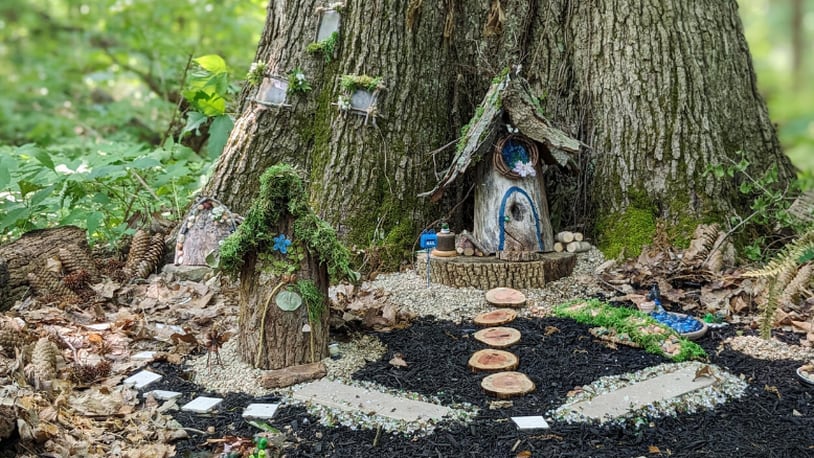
x=502, y=221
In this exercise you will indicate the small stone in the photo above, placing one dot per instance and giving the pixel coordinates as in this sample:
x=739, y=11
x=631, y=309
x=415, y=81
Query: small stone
x=143, y=356
x=260, y=411
x=141, y=379
x=530, y=422
x=210, y=430
x=201, y=404
x=98, y=326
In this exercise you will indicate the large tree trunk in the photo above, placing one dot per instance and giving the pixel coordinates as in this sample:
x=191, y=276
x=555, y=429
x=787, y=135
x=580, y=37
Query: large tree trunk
x=658, y=91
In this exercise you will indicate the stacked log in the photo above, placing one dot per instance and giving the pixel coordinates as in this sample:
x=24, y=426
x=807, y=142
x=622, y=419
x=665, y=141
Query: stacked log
x=571, y=242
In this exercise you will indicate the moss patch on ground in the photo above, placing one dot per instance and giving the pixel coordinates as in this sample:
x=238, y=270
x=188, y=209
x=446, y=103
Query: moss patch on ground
x=626, y=233
x=640, y=327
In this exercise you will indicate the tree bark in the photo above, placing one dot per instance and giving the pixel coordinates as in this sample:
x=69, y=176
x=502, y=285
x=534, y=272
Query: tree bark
x=657, y=91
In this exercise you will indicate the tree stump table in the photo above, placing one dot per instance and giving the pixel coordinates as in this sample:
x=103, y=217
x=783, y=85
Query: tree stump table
x=490, y=272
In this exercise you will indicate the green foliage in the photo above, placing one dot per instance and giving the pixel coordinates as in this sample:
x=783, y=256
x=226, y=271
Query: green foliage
x=626, y=233
x=325, y=47
x=207, y=90
x=99, y=189
x=256, y=73
x=350, y=83
x=282, y=192
x=768, y=202
x=629, y=321
x=297, y=84
x=314, y=301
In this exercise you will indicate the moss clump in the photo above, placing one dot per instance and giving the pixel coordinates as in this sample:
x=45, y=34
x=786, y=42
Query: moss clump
x=352, y=82
x=325, y=47
x=282, y=193
x=626, y=233
x=314, y=302
x=630, y=322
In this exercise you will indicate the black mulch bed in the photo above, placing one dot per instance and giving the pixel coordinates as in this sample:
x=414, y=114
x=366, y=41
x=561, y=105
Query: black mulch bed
x=761, y=424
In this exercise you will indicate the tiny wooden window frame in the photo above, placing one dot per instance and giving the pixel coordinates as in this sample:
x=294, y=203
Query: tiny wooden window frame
x=324, y=36
x=497, y=156
x=281, y=82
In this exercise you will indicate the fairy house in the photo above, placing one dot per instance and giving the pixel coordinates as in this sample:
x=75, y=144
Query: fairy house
x=508, y=144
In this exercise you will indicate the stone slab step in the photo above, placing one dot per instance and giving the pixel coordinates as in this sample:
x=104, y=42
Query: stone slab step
x=633, y=397
x=338, y=395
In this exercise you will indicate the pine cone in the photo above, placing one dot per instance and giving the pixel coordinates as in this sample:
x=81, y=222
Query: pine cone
x=138, y=247
x=46, y=282
x=11, y=337
x=89, y=373
x=152, y=257
x=75, y=259
x=43, y=368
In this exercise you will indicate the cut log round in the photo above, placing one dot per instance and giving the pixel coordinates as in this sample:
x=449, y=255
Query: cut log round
x=496, y=317
x=564, y=237
x=499, y=337
x=559, y=247
x=578, y=237
x=469, y=251
x=578, y=247
x=505, y=297
x=506, y=385
x=493, y=360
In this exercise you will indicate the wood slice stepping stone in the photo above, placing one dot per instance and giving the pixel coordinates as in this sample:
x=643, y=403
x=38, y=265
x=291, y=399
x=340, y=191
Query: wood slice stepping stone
x=499, y=337
x=506, y=385
x=505, y=297
x=493, y=360
x=495, y=317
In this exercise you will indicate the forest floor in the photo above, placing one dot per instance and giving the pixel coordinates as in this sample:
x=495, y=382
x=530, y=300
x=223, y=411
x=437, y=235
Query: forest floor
x=99, y=417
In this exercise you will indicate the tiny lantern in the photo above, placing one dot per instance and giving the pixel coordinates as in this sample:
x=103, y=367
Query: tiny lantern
x=329, y=22
x=273, y=91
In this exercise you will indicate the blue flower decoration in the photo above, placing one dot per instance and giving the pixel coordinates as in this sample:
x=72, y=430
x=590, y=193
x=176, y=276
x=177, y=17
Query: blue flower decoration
x=281, y=244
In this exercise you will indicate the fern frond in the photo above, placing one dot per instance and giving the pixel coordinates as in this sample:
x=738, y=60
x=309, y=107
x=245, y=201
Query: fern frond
x=790, y=254
x=797, y=284
x=701, y=244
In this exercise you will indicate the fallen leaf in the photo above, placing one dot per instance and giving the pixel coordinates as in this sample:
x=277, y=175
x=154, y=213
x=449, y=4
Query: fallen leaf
x=398, y=360
x=653, y=449
x=524, y=454
x=551, y=330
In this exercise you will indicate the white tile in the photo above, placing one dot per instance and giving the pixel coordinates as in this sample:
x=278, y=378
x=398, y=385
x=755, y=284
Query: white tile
x=162, y=395
x=141, y=379
x=202, y=404
x=98, y=326
x=261, y=411
x=143, y=356
x=531, y=422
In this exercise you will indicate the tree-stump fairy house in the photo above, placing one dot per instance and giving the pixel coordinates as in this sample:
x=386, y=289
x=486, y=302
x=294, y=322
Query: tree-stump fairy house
x=505, y=148
x=283, y=255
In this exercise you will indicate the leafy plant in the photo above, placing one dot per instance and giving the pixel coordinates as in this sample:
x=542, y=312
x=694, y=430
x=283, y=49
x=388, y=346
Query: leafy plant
x=297, y=83
x=325, y=47
x=100, y=189
x=350, y=83
x=207, y=91
x=256, y=73
x=789, y=272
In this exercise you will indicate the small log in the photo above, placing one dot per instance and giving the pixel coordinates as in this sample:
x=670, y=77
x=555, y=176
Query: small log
x=564, y=237
x=459, y=249
x=505, y=385
x=578, y=247
x=559, y=247
x=499, y=337
x=292, y=375
x=495, y=317
x=578, y=237
x=505, y=297
x=469, y=251
x=493, y=360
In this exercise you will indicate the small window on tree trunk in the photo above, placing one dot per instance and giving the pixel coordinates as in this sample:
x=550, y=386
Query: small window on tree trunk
x=329, y=22
x=360, y=95
x=272, y=92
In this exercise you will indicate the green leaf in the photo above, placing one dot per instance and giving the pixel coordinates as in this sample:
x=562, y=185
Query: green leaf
x=27, y=187
x=11, y=219
x=5, y=176
x=44, y=158
x=40, y=195
x=92, y=221
x=212, y=63
x=144, y=163
x=218, y=134
x=194, y=121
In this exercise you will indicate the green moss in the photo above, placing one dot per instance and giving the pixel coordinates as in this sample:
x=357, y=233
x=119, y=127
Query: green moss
x=501, y=76
x=282, y=193
x=314, y=302
x=626, y=233
x=623, y=320
x=352, y=82
x=325, y=47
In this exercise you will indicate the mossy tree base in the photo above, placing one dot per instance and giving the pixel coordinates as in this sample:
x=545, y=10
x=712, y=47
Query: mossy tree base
x=490, y=272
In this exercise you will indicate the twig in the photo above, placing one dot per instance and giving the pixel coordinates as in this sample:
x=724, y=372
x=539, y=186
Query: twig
x=145, y=185
x=180, y=101
x=378, y=434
